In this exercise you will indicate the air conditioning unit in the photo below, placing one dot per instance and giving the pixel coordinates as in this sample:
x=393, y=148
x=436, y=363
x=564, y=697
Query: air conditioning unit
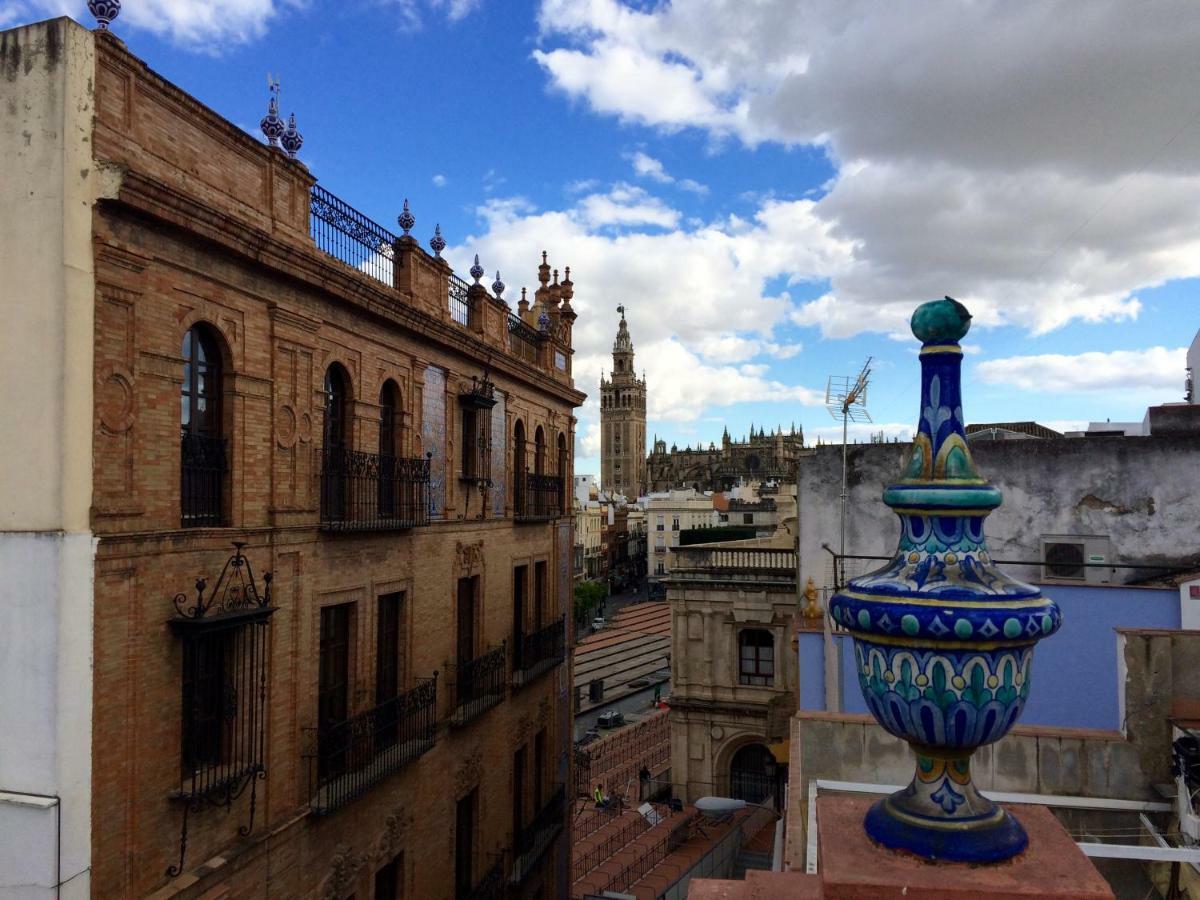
x=1076, y=559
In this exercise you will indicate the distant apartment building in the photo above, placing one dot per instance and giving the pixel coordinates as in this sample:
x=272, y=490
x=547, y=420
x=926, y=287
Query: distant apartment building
x=667, y=514
x=286, y=520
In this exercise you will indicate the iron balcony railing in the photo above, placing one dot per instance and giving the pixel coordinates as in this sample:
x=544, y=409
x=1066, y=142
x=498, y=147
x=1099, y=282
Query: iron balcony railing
x=523, y=339
x=366, y=491
x=531, y=841
x=491, y=885
x=539, y=652
x=351, y=757
x=460, y=307
x=537, y=497
x=346, y=234
x=201, y=479
x=479, y=684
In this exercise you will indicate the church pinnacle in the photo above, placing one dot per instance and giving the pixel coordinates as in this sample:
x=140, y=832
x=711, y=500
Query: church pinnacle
x=623, y=343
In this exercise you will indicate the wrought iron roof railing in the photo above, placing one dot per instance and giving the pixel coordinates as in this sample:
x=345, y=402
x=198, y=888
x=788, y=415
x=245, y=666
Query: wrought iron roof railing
x=344, y=233
x=523, y=339
x=460, y=307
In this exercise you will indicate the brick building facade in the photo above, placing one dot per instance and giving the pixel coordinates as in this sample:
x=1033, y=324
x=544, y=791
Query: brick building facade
x=267, y=366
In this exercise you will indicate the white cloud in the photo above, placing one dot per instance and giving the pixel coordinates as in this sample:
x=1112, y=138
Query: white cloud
x=645, y=166
x=439, y=180
x=1016, y=168
x=700, y=313
x=1152, y=369
x=648, y=167
x=588, y=440
x=734, y=348
x=414, y=14
x=203, y=25
x=627, y=205
x=583, y=185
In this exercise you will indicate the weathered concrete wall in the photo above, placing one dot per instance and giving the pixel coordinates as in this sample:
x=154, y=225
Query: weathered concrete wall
x=47, y=73
x=1143, y=493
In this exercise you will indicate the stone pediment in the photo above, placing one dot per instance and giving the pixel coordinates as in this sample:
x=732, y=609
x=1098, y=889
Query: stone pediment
x=753, y=606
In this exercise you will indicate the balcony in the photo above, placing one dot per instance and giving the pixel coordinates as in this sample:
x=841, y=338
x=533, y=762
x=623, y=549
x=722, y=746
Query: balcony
x=734, y=560
x=538, y=653
x=369, y=492
x=201, y=478
x=479, y=684
x=353, y=756
x=534, y=839
x=538, y=498
x=490, y=885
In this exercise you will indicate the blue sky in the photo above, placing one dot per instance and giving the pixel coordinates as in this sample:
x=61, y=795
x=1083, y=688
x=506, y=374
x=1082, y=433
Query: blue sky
x=769, y=189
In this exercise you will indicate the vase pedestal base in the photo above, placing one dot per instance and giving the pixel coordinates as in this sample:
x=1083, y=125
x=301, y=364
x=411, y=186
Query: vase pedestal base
x=990, y=838
x=854, y=867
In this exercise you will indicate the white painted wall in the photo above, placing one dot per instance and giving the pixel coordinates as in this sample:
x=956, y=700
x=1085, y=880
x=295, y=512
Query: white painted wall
x=1189, y=604
x=47, y=301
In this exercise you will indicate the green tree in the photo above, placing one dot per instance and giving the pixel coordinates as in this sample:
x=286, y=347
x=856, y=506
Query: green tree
x=588, y=595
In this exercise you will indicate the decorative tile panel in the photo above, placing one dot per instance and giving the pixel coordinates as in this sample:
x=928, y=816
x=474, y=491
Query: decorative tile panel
x=433, y=437
x=499, y=450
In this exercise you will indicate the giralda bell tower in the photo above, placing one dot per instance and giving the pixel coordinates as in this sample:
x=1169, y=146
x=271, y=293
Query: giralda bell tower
x=623, y=422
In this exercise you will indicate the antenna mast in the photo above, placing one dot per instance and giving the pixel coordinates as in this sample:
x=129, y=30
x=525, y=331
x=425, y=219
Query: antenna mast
x=846, y=398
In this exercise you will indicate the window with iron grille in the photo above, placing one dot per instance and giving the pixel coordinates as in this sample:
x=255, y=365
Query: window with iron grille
x=223, y=687
x=756, y=657
x=476, y=416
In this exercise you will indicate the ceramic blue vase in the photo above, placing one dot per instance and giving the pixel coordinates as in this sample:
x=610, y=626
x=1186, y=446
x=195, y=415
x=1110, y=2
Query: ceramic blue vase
x=943, y=641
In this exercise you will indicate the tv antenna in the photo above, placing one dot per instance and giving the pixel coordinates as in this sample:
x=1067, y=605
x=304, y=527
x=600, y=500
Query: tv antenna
x=846, y=399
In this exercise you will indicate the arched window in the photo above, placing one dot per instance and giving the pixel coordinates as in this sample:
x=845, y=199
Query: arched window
x=754, y=775
x=389, y=448
x=389, y=419
x=337, y=392
x=539, y=451
x=756, y=657
x=202, y=444
x=336, y=462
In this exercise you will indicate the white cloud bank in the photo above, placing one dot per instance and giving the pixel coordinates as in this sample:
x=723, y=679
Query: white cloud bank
x=989, y=151
x=1156, y=369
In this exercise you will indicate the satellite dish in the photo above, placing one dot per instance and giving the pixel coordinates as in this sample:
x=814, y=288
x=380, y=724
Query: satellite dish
x=719, y=808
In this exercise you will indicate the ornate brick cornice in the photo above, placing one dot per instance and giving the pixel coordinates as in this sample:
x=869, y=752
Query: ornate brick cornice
x=288, y=259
